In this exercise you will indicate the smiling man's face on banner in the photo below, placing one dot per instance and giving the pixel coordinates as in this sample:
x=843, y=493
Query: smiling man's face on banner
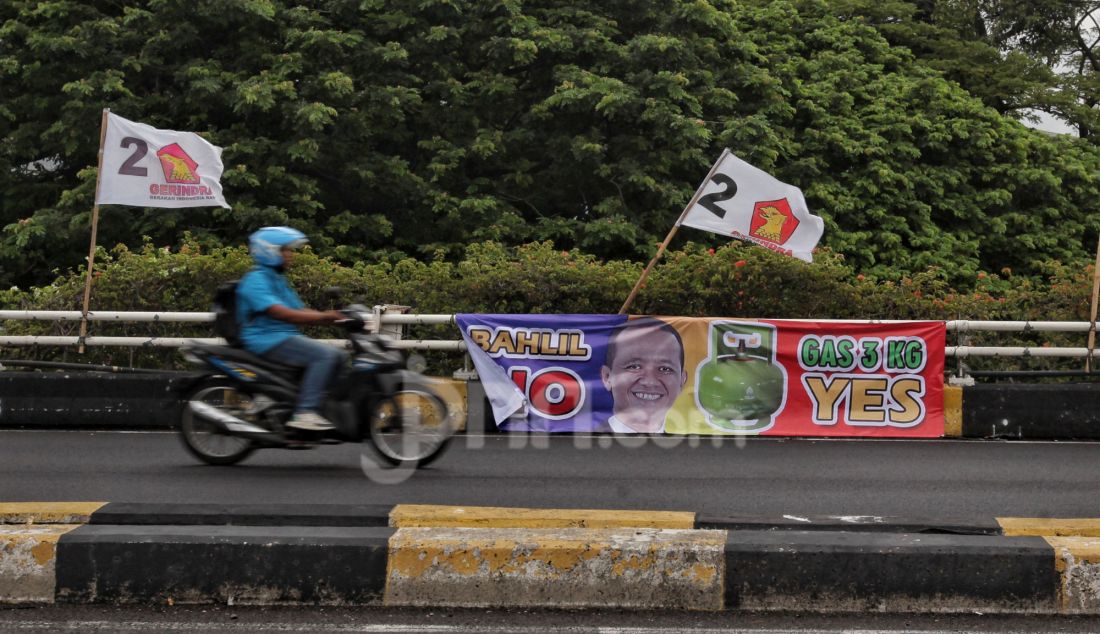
x=644, y=372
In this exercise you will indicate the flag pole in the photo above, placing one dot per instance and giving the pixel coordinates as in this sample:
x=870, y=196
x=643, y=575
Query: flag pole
x=645, y=273
x=671, y=233
x=95, y=226
x=1092, y=314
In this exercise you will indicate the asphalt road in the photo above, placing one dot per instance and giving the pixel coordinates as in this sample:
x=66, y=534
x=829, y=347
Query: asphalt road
x=467, y=621
x=937, y=479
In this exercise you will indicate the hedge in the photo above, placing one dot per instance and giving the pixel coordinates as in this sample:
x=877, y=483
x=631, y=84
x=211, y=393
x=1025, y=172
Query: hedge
x=737, y=280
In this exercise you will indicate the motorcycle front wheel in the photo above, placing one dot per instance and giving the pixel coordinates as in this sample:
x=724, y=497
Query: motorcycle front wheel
x=205, y=440
x=410, y=426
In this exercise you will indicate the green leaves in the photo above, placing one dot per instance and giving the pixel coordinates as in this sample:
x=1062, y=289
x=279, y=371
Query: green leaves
x=316, y=115
x=263, y=91
x=384, y=129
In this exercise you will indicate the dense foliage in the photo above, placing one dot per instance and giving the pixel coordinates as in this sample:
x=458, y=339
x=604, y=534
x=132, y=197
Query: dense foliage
x=1020, y=57
x=388, y=130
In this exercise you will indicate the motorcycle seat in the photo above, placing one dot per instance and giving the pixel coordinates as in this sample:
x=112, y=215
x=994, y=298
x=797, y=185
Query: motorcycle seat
x=243, y=356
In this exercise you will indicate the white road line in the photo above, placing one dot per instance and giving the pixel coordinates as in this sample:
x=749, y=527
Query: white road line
x=562, y=437
x=734, y=439
x=382, y=628
x=88, y=431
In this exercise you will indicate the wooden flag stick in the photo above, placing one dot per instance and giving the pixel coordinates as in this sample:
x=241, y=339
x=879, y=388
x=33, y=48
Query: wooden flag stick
x=95, y=226
x=668, y=238
x=1092, y=314
x=648, y=268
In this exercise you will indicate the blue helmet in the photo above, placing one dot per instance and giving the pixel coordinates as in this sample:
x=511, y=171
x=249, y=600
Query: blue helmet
x=264, y=245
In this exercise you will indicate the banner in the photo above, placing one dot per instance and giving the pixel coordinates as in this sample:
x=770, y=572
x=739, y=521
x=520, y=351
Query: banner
x=146, y=167
x=679, y=375
x=743, y=202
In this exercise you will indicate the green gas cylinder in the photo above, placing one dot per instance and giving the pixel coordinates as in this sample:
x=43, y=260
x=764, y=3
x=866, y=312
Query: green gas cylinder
x=739, y=386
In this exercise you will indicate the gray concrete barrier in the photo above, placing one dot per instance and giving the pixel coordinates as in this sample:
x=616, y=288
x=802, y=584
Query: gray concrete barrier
x=105, y=401
x=1033, y=411
x=94, y=400
x=91, y=400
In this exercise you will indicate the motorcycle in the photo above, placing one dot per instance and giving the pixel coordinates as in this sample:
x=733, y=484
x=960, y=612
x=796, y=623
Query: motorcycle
x=244, y=401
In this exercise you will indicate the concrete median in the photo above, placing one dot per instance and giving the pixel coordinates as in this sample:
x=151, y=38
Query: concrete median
x=427, y=555
x=563, y=567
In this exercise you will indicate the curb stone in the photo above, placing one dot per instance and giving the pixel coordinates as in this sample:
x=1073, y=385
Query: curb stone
x=429, y=555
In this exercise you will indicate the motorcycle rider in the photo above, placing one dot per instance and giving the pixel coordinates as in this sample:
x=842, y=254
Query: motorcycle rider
x=269, y=313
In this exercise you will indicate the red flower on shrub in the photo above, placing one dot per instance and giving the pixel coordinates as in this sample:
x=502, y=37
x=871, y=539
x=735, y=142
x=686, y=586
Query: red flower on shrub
x=710, y=251
x=740, y=263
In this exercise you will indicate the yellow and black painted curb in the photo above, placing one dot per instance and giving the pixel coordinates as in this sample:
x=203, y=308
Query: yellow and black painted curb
x=479, y=556
x=952, y=411
x=29, y=534
x=1035, y=411
x=1076, y=544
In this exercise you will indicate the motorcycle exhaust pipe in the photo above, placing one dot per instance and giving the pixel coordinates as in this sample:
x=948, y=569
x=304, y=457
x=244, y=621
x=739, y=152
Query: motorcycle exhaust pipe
x=231, y=424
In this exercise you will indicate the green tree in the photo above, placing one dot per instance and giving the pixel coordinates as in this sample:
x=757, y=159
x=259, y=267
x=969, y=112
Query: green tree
x=386, y=129
x=1017, y=56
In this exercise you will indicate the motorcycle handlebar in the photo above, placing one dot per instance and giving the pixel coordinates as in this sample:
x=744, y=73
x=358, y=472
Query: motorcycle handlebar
x=352, y=323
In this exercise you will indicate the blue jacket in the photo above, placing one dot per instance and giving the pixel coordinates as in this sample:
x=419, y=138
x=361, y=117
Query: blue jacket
x=260, y=289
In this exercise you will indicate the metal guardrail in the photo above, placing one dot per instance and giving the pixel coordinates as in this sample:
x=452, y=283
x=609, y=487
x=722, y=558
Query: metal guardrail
x=104, y=315
x=176, y=342
x=961, y=327
x=174, y=317
x=376, y=322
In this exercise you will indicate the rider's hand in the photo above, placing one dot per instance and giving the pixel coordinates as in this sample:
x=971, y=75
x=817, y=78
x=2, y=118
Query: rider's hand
x=333, y=316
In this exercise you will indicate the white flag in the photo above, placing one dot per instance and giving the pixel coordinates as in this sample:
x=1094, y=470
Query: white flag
x=747, y=203
x=146, y=167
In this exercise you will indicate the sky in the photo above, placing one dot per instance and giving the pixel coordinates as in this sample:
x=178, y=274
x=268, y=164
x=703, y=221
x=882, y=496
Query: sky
x=1048, y=123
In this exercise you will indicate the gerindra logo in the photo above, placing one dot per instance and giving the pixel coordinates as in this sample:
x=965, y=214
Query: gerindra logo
x=773, y=220
x=177, y=165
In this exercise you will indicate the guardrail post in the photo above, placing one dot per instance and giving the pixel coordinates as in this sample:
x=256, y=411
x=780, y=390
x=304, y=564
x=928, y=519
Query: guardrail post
x=1092, y=308
x=397, y=331
x=962, y=371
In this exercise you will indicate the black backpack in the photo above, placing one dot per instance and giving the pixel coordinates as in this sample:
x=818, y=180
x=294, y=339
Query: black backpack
x=225, y=313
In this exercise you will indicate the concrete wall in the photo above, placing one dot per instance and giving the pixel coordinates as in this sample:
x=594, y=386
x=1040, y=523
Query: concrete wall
x=1038, y=411
x=100, y=400
x=95, y=400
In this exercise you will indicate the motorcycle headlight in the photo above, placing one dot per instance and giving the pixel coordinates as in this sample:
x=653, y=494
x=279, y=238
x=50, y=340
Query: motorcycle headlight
x=416, y=363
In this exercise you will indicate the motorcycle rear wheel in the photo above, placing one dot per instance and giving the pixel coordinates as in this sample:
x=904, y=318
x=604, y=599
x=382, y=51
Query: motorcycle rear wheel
x=203, y=439
x=411, y=426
